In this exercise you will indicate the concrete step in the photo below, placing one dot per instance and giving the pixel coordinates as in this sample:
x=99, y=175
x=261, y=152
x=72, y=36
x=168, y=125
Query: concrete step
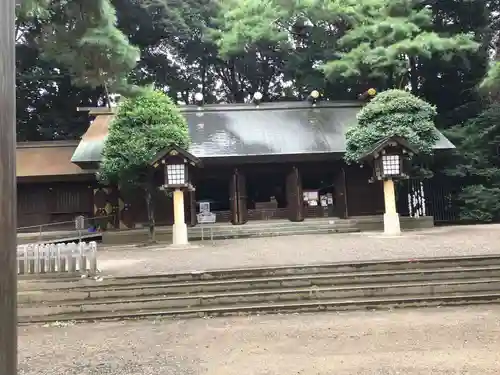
x=266, y=272
x=145, y=288
x=271, y=232
x=275, y=307
x=250, y=229
x=260, y=296
x=279, y=226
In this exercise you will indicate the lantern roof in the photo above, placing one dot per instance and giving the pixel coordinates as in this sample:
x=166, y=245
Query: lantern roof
x=175, y=151
x=394, y=141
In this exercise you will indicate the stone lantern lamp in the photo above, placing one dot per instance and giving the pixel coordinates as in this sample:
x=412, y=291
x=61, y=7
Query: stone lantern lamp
x=177, y=165
x=390, y=161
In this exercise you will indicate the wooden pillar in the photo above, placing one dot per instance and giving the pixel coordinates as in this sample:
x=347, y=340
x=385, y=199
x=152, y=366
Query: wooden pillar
x=238, y=198
x=8, y=274
x=294, y=195
x=340, y=199
x=190, y=199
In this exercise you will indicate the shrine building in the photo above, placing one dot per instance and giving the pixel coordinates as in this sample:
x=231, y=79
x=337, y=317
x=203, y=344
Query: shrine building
x=281, y=160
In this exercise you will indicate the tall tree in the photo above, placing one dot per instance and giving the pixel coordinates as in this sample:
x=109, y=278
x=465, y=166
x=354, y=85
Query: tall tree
x=380, y=40
x=452, y=85
x=180, y=57
x=47, y=98
x=477, y=165
x=491, y=82
x=142, y=127
x=82, y=35
x=67, y=54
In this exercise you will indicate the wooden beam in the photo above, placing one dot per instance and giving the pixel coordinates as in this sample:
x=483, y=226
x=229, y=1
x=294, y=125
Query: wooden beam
x=8, y=254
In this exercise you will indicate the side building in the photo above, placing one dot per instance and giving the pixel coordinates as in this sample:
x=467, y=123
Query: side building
x=280, y=160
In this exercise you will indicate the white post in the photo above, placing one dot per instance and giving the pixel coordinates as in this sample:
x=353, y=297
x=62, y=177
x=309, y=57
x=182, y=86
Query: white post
x=391, y=216
x=180, y=234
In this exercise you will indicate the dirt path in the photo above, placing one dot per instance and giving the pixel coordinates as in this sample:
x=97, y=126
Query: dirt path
x=449, y=241
x=410, y=342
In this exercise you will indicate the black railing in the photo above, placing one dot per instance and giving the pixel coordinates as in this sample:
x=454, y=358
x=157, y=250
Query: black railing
x=439, y=198
x=87, y=226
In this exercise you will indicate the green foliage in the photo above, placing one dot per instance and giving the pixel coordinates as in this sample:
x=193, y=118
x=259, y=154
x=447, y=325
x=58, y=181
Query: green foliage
x=477, y=142
x=375, y=38
x=385, y=35
x=491, y=82
x=477, y=163
x=392, y=113
x=180, y=44
x=480, y=203
x=82, y=36
x=452, y=85
x=143, y=126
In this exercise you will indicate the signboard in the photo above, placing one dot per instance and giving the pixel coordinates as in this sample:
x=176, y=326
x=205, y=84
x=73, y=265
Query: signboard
x=204, y=207
x=206, y=218
x=323, y=200
x=310, y=195
x=80, y=222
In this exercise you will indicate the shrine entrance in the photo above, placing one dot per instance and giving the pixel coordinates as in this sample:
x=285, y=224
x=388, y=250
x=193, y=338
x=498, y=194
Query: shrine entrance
x=266, y=193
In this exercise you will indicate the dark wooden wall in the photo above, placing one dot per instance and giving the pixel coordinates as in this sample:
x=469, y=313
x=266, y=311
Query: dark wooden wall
x=363, y=197
x=43, y=203
x=49, y=202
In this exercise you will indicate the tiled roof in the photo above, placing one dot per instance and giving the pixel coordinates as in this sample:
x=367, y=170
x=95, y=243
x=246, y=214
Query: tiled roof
x=282, y=128
x=35, y=159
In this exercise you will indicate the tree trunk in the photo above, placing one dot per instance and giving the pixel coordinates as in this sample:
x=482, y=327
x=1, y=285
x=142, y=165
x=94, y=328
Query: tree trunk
x=413, y=75
x=151, y=215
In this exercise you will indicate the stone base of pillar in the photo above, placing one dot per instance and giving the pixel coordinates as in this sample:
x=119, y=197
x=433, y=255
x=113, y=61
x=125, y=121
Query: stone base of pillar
x=391, y=224
x=180, y=234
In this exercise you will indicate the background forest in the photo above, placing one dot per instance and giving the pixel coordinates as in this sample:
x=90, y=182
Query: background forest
x=71, y=53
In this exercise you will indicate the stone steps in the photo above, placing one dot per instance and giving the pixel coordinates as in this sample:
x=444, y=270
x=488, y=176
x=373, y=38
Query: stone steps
x=99, y=292
x=272, y=232
x=47, y=281
x=288, y=288
x=251, y=229
x=274, y=307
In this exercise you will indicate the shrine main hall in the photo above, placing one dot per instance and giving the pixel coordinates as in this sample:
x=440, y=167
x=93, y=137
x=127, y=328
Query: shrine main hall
x=280, y=160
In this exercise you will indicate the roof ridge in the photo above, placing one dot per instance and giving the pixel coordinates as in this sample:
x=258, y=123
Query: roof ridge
x=48, y=144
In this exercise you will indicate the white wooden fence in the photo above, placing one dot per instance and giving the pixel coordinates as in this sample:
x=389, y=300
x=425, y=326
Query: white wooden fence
x=57, y=258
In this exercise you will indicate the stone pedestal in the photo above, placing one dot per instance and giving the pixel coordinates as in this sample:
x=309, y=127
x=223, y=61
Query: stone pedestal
x=391, y=224
x=391, y=217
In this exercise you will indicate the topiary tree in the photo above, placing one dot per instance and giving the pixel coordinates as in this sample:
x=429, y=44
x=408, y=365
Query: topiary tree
x=143, y=126
x=392, y=113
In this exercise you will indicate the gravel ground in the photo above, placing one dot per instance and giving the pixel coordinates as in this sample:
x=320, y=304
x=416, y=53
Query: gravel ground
x=420, y=341
x=305, y=249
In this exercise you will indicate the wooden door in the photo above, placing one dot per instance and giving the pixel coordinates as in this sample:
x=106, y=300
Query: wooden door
x=294, y=195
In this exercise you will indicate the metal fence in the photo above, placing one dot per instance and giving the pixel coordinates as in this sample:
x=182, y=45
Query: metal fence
x=57, y=258
x=79, y=228
x=435, y=197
